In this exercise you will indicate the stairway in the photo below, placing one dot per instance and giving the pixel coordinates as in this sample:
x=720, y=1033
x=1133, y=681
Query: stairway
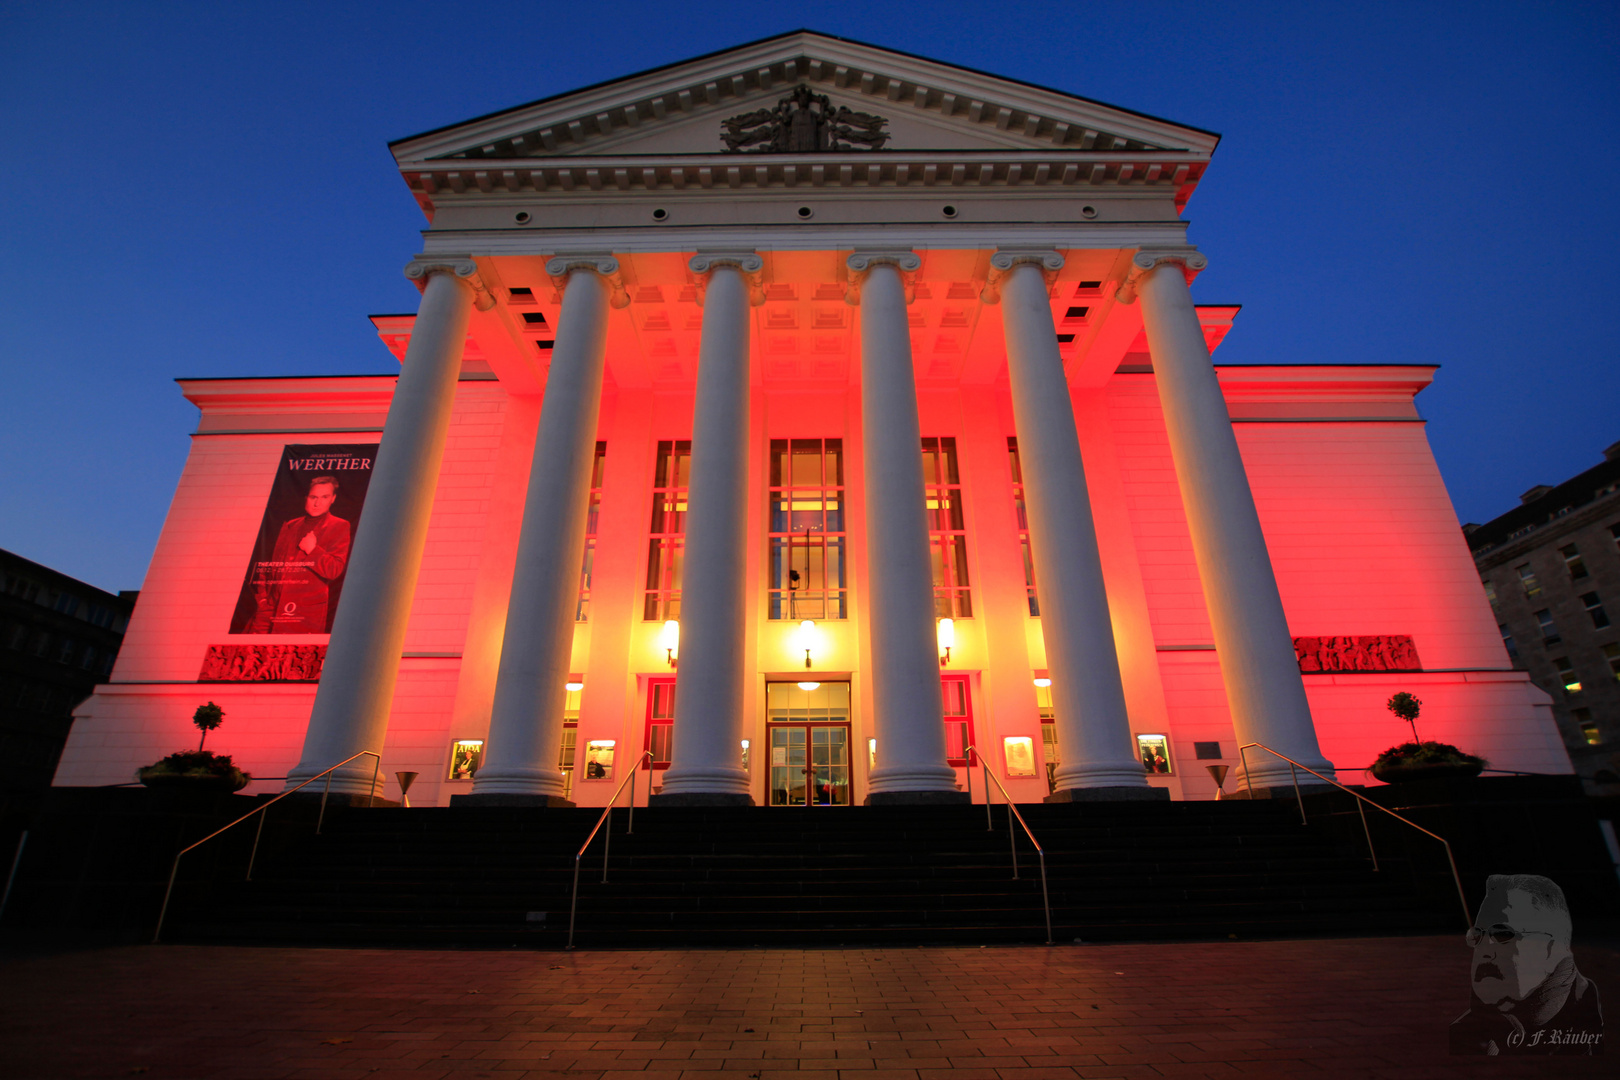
x=810, y=877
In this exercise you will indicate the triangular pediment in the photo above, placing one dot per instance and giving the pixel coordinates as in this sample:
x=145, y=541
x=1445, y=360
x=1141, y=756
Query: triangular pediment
x=679, y=109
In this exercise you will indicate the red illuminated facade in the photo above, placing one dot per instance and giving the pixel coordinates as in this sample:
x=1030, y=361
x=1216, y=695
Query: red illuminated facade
x=631, y=186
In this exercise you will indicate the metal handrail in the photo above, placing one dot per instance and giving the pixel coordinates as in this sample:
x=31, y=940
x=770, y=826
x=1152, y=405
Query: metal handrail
x=319, y=821
x=1456, y=878
x=1012, y=838
x=607, y=842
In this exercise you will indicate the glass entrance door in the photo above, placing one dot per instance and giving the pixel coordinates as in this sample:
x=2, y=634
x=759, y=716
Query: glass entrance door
x=808, y=727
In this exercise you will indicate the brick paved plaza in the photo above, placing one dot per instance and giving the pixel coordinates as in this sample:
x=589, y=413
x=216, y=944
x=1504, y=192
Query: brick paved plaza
x=1371, y=1007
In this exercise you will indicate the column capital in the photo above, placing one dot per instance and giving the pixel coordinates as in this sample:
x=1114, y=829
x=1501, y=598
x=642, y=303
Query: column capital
x=747, y=263
x=1005, y=260
x=1146, y=261
x=861, y=263
x=558, y=267
x=462, y=268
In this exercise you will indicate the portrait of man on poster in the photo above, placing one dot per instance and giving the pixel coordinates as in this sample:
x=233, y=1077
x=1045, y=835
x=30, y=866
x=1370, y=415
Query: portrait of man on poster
x=310, y=554
x=1528, y=997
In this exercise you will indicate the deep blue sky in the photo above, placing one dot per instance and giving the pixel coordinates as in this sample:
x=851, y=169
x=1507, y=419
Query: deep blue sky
x=205, y=189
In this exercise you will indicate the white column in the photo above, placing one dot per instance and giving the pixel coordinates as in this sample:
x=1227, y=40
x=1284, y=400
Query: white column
x=362, y=660
x=1256, y=653
x=705, y=765
x=1094, y=731
x=909, y=720
x=525, y=724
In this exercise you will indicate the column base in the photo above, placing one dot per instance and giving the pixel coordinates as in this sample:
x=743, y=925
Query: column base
x=1131, y=793
x=918, y=798
x=473, y=798
x=700, y=798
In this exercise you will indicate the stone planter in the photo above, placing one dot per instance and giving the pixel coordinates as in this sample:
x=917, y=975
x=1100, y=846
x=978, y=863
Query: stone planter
x=165, y=780
x=1458, y=770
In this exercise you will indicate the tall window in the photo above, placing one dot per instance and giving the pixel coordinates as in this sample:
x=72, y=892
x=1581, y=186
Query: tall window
x=1589, y=728
x=1507, y=640
x=958, y=703
x=807, y=575
x=666, y=546
x=1549, y=629
x=570, y=732
x=582, y=611
x=1527, y=578
x=1490, y=593
x=1021, y=512
x=660, y=720
x=1566, y=675
x=1573, y=561
x=1611, y=653
x=947, y=535
x=1594, y=608
x=1049, y=740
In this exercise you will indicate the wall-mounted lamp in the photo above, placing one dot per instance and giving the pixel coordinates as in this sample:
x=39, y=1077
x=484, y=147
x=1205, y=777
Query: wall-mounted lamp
x=807, y=638
x=574, y=687
x=808, y=686
x=1043, y=683
x=670, y=641
x=947, y=639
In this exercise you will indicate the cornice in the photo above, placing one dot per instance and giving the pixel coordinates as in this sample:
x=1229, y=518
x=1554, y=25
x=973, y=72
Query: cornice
x=1172, y=171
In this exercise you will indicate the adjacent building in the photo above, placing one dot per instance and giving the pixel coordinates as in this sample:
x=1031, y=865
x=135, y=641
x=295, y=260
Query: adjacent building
x=1551, y=568
x=58, y=639
x=804, y=424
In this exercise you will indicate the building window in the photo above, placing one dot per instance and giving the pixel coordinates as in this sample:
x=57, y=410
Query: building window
x=1572, y=561
x=660, y=720
x=1611, y=653
x=1507, y=640
x=958, y=702
x=1549, y=631
x=1490, y=593
x=1566, y=675
x=1594, y=608
x=1588, y=726
x=666, y=545
x=1614, y=531
x=1021, y=512
x=582, y=611
x=947, y=532
x=807, y=576
x=570, y=732
x=1527, y=578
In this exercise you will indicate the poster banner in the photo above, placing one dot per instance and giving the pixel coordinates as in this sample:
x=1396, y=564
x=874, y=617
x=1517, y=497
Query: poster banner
x=296, y=572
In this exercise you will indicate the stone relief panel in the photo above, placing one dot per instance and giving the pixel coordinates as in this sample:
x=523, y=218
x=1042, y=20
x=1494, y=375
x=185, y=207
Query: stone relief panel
x=1366, y=652
x=263, y=663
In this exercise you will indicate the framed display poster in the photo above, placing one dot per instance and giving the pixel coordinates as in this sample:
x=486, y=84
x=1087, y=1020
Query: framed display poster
x=599, y=759
x=1020, y=753
x=465, y=757
x=295, y=574
x=1154, y=751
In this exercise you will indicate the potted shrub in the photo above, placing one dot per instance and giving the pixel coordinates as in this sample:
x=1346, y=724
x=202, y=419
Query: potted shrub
x=1418, y=759
x=199, y=769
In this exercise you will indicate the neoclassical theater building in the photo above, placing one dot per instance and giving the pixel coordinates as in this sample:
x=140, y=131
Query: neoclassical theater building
x=801, y=425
